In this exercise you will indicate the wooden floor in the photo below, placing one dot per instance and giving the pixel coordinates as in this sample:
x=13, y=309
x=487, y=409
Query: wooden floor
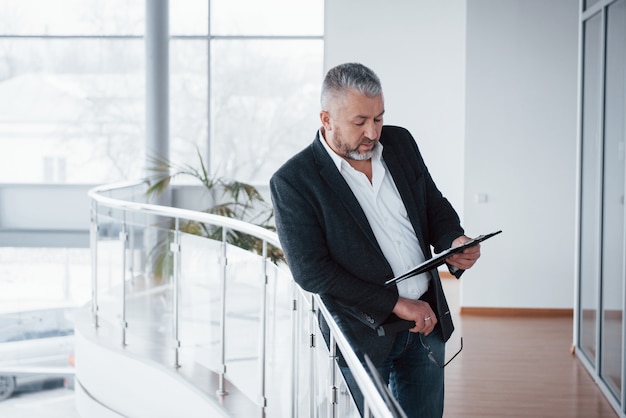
x=515, y=366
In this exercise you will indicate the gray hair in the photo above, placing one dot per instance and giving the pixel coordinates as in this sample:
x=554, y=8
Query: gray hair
x=350, y=76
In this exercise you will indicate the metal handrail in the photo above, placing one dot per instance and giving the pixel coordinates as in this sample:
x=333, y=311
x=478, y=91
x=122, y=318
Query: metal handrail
x=374, y=401
x=170, y=212
x=375, y=404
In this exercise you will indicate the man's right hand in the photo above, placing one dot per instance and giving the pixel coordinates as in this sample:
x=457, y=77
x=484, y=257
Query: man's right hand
x=418, y=311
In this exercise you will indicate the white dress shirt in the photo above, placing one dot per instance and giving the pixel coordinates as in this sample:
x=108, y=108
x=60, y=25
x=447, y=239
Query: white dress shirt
x=388, y=218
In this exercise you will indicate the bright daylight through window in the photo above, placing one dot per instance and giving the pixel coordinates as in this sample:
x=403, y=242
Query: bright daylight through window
x=72, y=83
x=243, y=91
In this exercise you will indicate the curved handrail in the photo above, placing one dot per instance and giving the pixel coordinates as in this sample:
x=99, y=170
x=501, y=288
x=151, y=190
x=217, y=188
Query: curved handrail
x=375, y=404
x=170, y=212
x=368, y=389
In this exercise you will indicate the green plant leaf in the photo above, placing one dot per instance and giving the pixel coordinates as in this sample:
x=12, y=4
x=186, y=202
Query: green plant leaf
x=239, y=201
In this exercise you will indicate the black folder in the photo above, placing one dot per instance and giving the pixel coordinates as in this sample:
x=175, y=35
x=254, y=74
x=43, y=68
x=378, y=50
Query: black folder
x=439, y=259
x=395, y=324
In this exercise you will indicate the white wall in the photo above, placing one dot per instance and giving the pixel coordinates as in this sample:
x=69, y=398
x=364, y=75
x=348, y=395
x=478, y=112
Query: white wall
x=488, y=89
x=417, y=48
x=521, y=150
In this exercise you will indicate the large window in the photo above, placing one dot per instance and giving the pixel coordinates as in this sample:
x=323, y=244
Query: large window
x=244, y=81
x=244, y=87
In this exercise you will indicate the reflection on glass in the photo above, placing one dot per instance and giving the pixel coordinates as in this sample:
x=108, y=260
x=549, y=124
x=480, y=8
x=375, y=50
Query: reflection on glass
x=590, y=189
x=613, y=200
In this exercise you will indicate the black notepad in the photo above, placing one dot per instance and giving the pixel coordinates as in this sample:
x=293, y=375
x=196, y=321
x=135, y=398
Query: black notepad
x=439, y=259
x=395, y=324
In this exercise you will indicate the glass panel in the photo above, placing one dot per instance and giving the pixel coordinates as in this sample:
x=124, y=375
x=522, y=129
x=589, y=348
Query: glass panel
x=270, y=17
x=72, y=17
x=590, y=189
x=200, y=303
x=280, y=338
x=109, y=272
x=149, y=291
x=189, y=17
x=265, y=101
x=244, y=292
x=76, y=110
x=613, y=200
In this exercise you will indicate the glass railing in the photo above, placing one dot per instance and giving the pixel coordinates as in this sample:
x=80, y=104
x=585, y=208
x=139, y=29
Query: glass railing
x=218, y=306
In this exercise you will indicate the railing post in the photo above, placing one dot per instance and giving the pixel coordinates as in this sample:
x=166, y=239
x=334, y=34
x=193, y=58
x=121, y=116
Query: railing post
x=263, y=398
x=93, y=237
x=312, y=359
x=131, y=250
x=123, y=236
x=332, y=359
x=175, y=249
x=295, y=331
x=221, y=391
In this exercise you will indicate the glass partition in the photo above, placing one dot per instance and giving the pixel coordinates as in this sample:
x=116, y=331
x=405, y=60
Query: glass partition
x=602, y=241
x=613, y=200
x=590, y=189
x=109, y=269
x=188, y=301
x=200, y=308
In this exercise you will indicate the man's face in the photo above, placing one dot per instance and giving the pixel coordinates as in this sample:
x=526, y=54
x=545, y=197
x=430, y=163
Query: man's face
x=353, y=124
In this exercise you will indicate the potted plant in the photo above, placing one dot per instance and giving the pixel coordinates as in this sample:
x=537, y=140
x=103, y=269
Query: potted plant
x=230, y=198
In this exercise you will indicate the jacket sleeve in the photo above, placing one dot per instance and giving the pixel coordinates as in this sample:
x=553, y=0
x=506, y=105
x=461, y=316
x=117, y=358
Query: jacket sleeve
x=311, y=251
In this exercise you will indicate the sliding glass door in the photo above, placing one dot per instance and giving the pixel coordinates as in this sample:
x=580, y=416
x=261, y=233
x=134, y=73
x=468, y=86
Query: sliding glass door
x=613, y=199
x=602, y=249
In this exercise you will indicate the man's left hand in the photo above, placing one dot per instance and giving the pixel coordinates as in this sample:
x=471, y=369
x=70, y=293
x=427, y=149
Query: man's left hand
x=467, y=257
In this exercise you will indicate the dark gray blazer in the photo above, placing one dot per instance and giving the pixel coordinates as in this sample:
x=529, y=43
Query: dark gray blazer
x=329, y=244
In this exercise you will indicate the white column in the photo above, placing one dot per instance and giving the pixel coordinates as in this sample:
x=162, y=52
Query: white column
x=157, y=85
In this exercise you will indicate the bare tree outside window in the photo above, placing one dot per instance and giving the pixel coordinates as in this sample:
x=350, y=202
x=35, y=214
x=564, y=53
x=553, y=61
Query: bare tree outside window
x=72, y=87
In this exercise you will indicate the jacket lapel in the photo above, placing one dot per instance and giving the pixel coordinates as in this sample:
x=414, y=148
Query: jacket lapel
x=336, y=182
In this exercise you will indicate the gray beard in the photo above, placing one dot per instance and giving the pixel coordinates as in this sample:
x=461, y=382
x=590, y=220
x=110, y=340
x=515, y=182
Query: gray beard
x=357, y=156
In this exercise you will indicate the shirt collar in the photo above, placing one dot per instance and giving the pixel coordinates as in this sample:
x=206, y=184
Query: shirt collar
x=339, y=160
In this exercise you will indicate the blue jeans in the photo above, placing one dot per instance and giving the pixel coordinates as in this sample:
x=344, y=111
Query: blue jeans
x=415, y=381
